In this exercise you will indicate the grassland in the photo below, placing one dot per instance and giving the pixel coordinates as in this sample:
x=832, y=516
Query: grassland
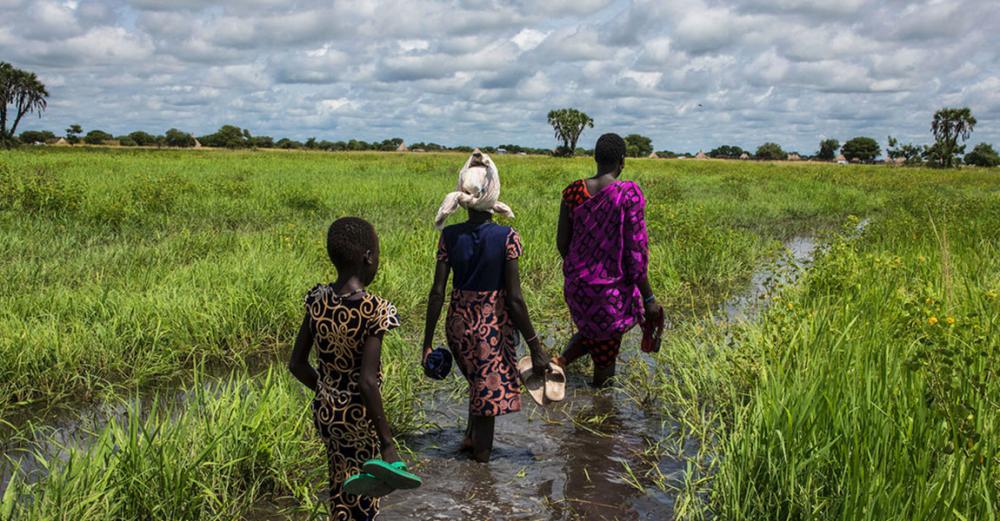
x=867, y=392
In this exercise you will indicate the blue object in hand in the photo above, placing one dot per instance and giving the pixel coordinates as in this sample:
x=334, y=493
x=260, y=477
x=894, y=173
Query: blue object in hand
x=439, y=363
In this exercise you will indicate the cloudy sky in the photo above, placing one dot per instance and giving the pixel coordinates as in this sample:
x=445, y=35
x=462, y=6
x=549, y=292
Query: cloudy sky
x=690, y=74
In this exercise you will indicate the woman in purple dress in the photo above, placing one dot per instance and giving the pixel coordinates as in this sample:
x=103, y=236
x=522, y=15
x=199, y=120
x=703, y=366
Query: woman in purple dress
x=602, y=240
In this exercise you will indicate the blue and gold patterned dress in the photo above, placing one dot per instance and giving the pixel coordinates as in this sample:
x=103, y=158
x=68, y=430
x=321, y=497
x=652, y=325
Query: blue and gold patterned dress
x=340, y=326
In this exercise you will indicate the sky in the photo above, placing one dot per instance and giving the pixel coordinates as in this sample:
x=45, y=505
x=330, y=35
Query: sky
x=690, y=74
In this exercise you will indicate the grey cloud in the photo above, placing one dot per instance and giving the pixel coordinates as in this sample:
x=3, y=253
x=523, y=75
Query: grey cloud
x=691, y=74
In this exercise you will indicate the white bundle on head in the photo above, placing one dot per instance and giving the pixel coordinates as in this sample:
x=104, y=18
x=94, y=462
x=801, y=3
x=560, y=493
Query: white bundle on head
x=478, y=189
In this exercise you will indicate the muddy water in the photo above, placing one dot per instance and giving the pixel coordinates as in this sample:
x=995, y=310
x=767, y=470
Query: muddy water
x=785, y=270
x=566, y=461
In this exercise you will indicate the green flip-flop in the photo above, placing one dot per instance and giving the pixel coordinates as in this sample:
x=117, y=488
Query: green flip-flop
x=365, y=484
x=393, y=474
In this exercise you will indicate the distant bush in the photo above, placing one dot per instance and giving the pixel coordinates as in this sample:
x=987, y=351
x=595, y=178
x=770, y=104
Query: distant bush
x=827, y=149
x=177, y=138
x=770, y=152
x=97, y=137
x=727, y=152
x=861, y=148
x=126, y=141
x=983, y=155
x=29, y=137
x=638, y=146
x=142, y=139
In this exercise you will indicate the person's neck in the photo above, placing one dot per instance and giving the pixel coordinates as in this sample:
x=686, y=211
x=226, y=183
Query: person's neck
x=477, y=217
x=349, y=281
x=608, y=172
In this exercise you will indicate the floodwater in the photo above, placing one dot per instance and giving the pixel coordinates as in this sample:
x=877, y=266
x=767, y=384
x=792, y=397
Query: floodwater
x=591, y=457
x=566, y=461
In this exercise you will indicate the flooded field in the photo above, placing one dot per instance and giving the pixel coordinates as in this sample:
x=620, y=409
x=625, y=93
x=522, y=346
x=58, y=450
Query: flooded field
x=598, y=455
x=135, y=271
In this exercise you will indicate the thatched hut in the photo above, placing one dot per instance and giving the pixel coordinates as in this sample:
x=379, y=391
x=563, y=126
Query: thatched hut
x=197, y=144
x=841, y=160
x=652, y=155
x=700, y=155
x=794, y=157
x=62, y=142
x=401, y=148
x=744, y=156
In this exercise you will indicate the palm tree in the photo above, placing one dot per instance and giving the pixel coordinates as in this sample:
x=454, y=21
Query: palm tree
x=24, y=91
x=950, y=125
x=568, y=125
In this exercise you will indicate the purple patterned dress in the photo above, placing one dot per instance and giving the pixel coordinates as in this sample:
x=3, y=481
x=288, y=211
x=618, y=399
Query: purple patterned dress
x=608, y=257
x=480, y=333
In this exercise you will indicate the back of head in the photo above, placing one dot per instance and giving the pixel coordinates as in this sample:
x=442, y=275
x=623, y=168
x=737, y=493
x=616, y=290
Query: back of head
x=347, y=241
x=609, y=150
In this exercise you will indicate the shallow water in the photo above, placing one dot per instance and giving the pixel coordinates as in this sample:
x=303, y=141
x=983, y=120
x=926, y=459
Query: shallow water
x=565, y=462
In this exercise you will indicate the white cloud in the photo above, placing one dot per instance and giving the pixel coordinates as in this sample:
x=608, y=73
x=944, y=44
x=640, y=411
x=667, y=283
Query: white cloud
x=691, y=74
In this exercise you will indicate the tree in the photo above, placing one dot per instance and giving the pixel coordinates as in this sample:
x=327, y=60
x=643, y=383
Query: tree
x=228, y=136
x=827, y=149
x=909, y=153
x=950, y=125
x=568, y=124
x=142, y=139
x=73, y=133
x=861, y=148
x=982, y=155
x=262, y=142
x=29, y=137
x=97, y=137
x=726, y=152
x=770, y=152
x=638, y=146
x=24, y=93
x=177, y=138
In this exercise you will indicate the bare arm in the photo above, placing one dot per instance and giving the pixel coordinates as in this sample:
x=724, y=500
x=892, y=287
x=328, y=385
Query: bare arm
x=371, y=395
x=298, y=363
x=518, y=311
x=564, y=234
x=435, y=300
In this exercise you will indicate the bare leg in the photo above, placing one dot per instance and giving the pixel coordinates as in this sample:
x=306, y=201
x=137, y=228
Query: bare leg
x=467, y=441
x=573, y=350
x=602, y=375
x=482, y=437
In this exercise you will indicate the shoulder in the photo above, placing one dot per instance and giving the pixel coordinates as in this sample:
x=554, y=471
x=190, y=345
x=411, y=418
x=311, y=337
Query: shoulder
x=574, y=194
x=381, y=313
x=632, y=193
x=512, y=243
x=575, y=186
x=316, y=294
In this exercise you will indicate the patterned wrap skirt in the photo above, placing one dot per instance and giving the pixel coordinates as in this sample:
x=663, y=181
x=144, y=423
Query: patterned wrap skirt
x=484, y=341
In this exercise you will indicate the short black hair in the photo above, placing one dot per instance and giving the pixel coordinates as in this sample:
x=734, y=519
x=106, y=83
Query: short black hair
x=348, y=239
x=610, y=149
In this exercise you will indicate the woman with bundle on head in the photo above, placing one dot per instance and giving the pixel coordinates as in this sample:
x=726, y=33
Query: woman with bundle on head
x=487, y=309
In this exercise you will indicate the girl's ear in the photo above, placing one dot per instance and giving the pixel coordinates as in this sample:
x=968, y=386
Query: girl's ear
x=369, y=257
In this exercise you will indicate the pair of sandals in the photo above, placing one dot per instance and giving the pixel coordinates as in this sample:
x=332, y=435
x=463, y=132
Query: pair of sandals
x=379, y=478
x=544, y=389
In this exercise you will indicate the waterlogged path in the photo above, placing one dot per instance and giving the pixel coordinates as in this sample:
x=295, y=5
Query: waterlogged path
x=597, y=455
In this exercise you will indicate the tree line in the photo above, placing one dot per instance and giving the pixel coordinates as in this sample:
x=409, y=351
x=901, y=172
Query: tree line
x=22, y=93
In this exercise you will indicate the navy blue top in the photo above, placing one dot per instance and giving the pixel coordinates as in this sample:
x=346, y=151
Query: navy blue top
x=476, y=253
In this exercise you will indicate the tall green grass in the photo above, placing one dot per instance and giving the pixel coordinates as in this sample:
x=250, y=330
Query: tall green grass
x=868, y=391
x=128, y=268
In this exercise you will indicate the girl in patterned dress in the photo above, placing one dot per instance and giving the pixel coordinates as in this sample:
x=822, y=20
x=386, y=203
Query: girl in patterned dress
x=602, y=240
x=347, y=323
x=487, y=309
